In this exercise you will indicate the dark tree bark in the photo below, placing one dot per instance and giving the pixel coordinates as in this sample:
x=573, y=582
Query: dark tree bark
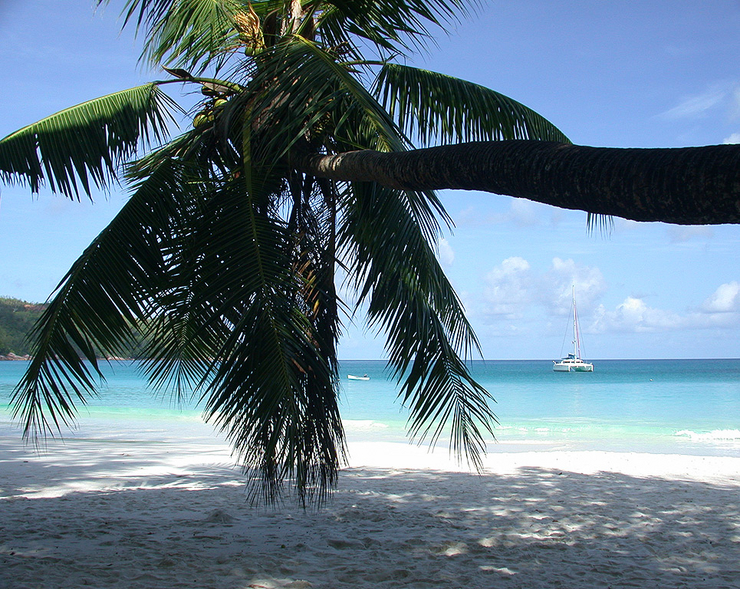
x=687, y=186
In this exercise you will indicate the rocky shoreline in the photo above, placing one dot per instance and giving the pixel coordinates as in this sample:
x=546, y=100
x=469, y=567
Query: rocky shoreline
x=12, y=356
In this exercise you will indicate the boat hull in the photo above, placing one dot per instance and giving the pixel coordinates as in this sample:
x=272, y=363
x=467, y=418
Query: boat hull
x=572, y=367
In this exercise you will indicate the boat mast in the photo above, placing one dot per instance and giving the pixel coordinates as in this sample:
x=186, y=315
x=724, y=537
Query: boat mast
x=576, y=343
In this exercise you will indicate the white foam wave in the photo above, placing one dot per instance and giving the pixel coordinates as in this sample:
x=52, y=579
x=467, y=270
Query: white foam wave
x=718, y=435
x=363, y=424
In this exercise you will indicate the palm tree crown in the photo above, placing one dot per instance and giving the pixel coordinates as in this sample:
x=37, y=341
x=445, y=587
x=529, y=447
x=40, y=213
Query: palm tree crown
x=226, y=257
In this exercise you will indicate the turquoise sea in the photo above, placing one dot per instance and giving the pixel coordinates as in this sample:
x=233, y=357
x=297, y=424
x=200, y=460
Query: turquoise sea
x=673, y=406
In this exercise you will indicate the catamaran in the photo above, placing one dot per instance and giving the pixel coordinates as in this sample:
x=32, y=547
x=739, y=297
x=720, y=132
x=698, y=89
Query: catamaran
x=573, y=362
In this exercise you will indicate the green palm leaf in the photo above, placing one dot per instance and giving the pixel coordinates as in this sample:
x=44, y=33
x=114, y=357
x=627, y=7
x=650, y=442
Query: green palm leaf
x=176, y=344
x=271, y=390
x=291, y=111
x=392, y=25
x=86, y=142
x=187, y=33
x=239, y=322
x=411, y=300
x=434, y=106
x=98, y=308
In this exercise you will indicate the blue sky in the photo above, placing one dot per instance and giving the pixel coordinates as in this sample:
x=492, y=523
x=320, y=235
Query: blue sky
x=618, y=73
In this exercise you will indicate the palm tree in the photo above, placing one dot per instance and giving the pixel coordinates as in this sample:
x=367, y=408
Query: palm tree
x=298, y=171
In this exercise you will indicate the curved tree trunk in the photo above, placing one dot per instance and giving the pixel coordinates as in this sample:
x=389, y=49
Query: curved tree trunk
x=692, y=185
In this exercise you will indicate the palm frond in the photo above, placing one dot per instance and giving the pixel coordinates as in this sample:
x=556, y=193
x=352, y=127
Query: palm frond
x=328, y=109
x=97, y=309
x=604, y=224
x=393, y=25
x=272, y=390
x=412, y=302
x=433, y=106
x=176, y=347
x=375, y=120
x=189, y=33
x=87, y=142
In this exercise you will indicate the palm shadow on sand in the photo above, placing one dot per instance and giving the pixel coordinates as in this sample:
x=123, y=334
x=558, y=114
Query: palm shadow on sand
x=383, y=527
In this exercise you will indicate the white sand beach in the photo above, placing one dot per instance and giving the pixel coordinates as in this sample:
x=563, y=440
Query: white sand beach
x=116, y=511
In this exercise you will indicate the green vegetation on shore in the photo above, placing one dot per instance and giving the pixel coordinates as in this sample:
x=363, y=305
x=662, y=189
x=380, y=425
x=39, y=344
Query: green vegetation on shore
x=16, y=320
x=18, y=317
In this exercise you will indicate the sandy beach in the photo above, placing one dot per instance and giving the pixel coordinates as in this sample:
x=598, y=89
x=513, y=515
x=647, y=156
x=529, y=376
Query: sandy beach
x=137, y=513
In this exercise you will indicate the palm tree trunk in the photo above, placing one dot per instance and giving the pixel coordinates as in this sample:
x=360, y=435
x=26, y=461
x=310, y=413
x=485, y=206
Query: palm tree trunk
x=692, y=185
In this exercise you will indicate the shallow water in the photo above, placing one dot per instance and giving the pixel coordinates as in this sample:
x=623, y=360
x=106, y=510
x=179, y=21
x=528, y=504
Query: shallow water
x=674, y=406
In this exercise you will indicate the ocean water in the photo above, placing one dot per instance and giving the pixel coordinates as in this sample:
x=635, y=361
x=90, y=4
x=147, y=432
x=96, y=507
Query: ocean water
x=671, y=406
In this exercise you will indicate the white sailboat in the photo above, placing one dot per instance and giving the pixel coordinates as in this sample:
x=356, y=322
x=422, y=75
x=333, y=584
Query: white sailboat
x=573, y=362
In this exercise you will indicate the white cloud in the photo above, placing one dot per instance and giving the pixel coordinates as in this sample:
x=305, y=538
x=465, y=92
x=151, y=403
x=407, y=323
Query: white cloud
x=513, y=289
x=721, y=310
x=635, y=316
x=521, y=212
x=696, y=106
x=508, y=288
x=734, y=138
x=516, y=291
x=556, y=286
x=735, y=109
x=622, y=225
x=446, y=253
x=469, y=216
x=726, y=299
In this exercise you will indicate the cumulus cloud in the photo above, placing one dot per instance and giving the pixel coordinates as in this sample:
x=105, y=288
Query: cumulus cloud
x=734, y=138
x=634, y=315
x=508, y=288
x=556, y=286
x=735, y=111
x=513, y=288
x=721, y=310
x=523, y=212
x=726, y=299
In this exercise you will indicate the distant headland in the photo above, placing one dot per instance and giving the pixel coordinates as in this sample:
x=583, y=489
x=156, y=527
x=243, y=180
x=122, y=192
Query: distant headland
x=17, y=317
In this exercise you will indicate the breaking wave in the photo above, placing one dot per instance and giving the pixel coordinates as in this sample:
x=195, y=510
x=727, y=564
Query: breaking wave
x=718, y=435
